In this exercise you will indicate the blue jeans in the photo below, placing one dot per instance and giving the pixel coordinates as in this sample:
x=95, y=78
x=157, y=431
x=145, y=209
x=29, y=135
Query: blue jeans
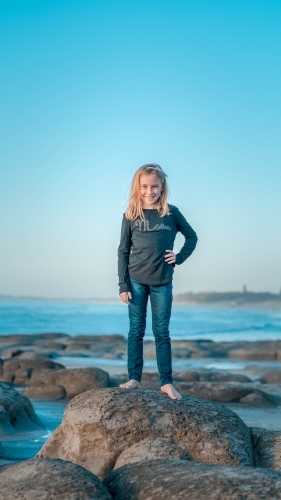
x=161, y=298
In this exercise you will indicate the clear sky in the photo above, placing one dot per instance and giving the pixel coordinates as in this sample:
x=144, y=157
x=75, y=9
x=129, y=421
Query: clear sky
x=90, y=90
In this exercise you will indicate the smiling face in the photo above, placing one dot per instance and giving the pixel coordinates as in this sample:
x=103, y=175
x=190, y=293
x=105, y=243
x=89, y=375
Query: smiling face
x=150, y=190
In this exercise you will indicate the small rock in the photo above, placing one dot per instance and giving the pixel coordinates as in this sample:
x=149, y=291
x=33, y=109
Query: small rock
x=40, y=390
x=256, y=399
x=272, y=376
x=17, y=413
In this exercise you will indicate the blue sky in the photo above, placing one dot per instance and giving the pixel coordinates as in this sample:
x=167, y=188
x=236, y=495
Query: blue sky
x=90, y=90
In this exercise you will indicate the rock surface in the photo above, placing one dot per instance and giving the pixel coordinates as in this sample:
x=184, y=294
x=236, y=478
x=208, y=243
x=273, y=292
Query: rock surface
x=267, y=448
x=50, y=479
x=177, y=479
x=25, y=371
x=98, y=426
x=149, y=449
x=16, y=412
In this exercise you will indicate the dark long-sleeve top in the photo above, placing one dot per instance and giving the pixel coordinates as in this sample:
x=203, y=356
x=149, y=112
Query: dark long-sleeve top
x=143, y=245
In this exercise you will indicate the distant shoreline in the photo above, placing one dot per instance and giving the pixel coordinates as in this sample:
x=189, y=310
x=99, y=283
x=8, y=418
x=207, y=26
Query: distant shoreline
x=243, y=300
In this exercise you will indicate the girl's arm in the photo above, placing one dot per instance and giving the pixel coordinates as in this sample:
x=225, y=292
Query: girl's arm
x=123, y=256
x=188, y=233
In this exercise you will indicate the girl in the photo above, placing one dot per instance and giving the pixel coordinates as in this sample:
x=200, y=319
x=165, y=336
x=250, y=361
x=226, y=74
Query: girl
x=146, y=264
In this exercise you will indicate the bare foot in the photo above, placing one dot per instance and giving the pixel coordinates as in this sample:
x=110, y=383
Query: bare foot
x=132, y=384
x=171, y=391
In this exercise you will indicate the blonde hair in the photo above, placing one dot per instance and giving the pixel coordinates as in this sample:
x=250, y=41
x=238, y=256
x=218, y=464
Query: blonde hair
x=134, y=208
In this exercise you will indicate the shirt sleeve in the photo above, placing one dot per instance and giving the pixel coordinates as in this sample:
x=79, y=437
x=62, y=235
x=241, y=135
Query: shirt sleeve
x=189, y=234
x=123, y=256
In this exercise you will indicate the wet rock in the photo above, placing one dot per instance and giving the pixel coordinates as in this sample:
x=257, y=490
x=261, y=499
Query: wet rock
x=16, y=412
x=177, y=479
x=77, y=380
x=50, y=479
x=40, y=390
x=98, y=426
x=267, y=448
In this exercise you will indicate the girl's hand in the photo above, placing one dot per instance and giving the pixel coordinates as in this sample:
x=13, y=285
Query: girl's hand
x=170, y=257
x=125, y=296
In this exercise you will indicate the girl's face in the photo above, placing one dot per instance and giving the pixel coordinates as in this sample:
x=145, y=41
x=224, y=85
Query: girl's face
x=150, y=190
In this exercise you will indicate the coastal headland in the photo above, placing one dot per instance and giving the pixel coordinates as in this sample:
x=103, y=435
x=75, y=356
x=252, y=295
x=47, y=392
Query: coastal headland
x=245, y=299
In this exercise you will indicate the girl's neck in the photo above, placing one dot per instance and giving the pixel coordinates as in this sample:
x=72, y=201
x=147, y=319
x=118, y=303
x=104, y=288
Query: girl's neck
x=156, y=206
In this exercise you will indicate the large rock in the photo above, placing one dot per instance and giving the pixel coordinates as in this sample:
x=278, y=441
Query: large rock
x=181, y=480
x=99, y=426
x=50, y=479
x=267, y=448
x=77, y=380
x=16, y=412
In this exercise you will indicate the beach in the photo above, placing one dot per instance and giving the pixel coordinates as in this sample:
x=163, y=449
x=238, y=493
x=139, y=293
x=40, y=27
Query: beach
x=43, y=372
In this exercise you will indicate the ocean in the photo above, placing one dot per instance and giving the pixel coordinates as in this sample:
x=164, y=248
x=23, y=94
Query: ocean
x=88, y=318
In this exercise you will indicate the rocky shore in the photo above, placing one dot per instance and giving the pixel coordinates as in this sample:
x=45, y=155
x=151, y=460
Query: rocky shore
x=118, y=444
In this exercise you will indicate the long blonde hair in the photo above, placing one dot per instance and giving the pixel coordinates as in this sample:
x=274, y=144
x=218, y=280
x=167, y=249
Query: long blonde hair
x=134, y=208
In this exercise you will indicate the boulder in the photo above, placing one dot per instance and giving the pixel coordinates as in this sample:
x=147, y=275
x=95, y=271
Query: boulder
x=204, y=374
x=98, y=426
x=212, y=391
x=267, y=448
x=40, y=390
x=77, y=380
x=25, y=371
x=16, y=412
x=224, y=392
x=272, y=376
x=178, y=479
x=10, y=352
x=50, y=479
x=188, y=376
x=258, y=400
